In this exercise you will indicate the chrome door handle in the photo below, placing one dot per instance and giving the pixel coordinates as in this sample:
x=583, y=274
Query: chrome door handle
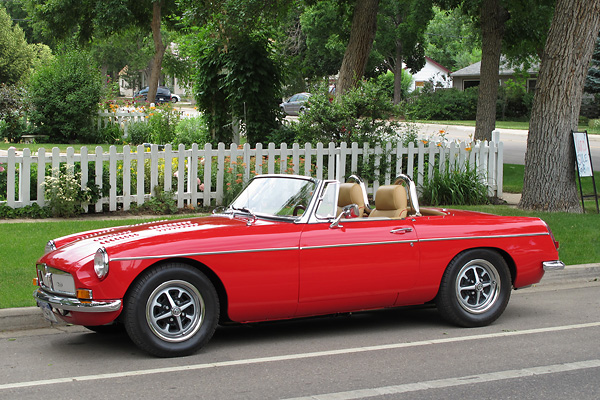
x=401, y=231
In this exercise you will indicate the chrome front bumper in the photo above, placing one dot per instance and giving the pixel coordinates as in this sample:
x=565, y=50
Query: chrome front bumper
x=73, y=304
x=553, y=265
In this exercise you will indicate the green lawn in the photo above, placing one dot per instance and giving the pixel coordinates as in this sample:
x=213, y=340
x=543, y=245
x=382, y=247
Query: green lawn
x=23, y=243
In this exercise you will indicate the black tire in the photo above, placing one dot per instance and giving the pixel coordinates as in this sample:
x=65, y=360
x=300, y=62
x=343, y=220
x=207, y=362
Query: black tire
x=475, y=288
x=160, y=329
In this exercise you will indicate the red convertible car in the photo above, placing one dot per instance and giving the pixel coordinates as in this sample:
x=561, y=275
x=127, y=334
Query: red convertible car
x=289, y=247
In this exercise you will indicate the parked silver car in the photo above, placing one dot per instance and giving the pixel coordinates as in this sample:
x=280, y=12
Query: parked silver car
x=296, y=104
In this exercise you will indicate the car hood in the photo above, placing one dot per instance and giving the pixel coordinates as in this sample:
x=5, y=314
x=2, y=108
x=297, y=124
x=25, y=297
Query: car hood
x=153, y=240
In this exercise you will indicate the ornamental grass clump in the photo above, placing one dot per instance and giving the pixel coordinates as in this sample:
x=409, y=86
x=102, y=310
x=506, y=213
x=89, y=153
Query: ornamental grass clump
x=455, y=187
x=63, y=193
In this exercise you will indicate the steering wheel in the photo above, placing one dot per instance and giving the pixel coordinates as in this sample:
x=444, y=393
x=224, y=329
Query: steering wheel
x=298, y=208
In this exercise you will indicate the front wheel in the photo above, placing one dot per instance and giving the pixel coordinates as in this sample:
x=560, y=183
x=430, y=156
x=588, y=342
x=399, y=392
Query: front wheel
x=171, y=311
x=475, y=288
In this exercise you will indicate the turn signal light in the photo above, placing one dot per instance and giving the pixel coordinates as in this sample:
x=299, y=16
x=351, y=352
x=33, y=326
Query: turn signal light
x=84, y=294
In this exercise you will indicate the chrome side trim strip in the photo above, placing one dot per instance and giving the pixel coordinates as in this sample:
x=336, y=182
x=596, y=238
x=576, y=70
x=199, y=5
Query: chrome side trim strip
x=73, y=304
x=212, y=253
x=204, y=253
x=484, y=237
x=329, y=246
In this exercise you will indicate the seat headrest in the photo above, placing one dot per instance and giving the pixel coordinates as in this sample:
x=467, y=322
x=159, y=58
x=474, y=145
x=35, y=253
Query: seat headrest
x=390, y=197
x=351, y=193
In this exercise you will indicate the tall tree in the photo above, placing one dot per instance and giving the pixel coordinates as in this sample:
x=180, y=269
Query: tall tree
x=401, y=36
x=549, y=180
x=65, y=19
x=16, y=56
x=516, y=27
x=362, y=34
x=493, y=17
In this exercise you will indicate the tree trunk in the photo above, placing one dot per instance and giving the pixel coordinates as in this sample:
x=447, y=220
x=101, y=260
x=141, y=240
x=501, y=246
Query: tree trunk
x=159, y=51
x=493, y=19
x=549, y=181
x=398, y=73
x=362, y=34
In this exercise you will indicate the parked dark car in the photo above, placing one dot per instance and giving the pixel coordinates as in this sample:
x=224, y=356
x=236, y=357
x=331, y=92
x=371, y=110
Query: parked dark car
x=296, y=104
x=163, y=94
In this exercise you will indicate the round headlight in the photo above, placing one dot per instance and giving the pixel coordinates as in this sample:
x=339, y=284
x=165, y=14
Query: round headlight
x=101, y=263
x=50, y=246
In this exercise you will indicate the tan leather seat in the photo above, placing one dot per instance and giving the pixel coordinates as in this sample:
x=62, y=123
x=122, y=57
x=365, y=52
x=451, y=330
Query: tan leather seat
x=351, y=193
x=390, y=202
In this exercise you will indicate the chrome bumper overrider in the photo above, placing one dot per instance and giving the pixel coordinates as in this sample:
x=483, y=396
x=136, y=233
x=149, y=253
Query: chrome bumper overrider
x=553, y=265
x=73, y=304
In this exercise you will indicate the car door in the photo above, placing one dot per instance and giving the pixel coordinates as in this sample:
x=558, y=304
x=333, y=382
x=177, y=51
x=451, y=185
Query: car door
x=363, y=264
x=292, y=105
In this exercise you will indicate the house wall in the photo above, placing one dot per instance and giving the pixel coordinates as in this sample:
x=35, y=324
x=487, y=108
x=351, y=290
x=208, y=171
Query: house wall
x=462, y=82
x=433, y=72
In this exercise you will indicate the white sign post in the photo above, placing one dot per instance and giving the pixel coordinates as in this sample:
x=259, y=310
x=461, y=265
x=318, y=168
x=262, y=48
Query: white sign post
x=584, y=164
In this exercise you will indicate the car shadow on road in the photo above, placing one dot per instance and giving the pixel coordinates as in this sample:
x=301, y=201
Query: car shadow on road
x=330, y=326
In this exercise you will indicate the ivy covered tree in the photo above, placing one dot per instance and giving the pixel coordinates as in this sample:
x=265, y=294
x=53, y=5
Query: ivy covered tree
x=238, y=76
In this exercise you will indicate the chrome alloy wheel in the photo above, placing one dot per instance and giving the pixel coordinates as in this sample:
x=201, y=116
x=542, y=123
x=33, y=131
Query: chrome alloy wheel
x=175, y=311
x=477, y=286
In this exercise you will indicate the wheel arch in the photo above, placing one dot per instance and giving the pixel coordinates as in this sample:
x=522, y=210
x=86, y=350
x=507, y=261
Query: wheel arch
x=210, y=274
x=510, y=262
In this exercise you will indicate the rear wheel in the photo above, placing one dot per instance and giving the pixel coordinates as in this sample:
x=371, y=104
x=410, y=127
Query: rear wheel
x=172, y=310
x=475, y=288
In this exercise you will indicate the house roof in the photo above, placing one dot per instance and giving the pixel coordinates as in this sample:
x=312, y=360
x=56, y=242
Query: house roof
x=440, y=66
x=505, y=69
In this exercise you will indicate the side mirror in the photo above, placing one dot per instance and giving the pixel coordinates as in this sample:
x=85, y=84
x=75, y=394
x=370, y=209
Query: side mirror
x=349, y=211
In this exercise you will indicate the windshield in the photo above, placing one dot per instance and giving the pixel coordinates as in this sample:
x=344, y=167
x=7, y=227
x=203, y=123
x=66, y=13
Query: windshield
x=279, y=196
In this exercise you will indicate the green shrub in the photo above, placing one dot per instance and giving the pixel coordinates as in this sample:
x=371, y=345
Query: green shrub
x=447, y=104
x=162, y=123
x=32, y=211
x=361, y=115
x=191, y=130
x=454, y=188
x=162, y=203
x=138, y=133
x=12, y=112
x=386, y=82
x=64, y=95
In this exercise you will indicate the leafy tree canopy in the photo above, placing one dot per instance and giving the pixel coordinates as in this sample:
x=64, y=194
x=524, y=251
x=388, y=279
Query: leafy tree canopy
x=16, y=56
x=452, y=39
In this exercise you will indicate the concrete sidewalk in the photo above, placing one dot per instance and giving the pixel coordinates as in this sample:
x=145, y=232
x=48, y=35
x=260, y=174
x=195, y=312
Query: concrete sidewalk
x=574, y=276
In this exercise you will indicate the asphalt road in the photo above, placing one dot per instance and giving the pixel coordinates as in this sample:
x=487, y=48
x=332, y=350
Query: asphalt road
x=545, y=346
x=515, y=141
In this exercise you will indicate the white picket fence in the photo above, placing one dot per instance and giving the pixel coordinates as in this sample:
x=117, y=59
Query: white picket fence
x=132, y=174
x=121, y=118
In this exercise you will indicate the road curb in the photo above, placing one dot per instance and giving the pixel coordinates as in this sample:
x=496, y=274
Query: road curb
x=27, y=318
